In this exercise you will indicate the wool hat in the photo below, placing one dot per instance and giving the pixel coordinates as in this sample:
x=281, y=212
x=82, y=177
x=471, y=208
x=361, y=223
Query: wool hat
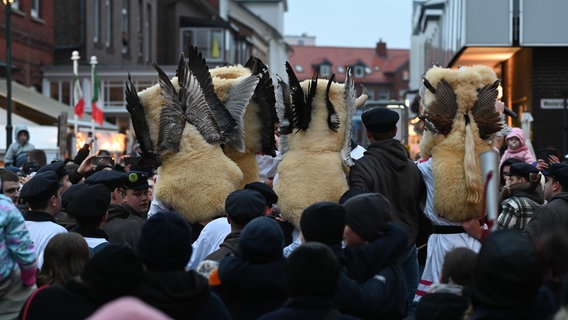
x=244, y=205
x=508, y=272
x=113, y=272
x=380, y=119
x=112, y=179
x=522, y=169
x=558, y=171
x=69, y=194
x=266, y=191
x=313, y=270
x=58, y=167
x=323, y=222
x=137, y=180
x=39, y=187
x=261, y=241
x=89, y=202
x=368, y=214
x=164, y=243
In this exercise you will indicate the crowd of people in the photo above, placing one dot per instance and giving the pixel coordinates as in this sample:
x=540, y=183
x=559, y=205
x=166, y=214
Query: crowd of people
x=81, y=239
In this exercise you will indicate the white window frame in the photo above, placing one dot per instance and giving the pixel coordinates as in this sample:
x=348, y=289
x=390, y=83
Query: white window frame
x=325, y=70
x=35, y=10
x=359, y=71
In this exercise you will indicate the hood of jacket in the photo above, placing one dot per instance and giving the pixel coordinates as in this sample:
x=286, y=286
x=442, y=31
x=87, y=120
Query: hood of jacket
x=242, y=276
x=390, y=152
x=518, y=133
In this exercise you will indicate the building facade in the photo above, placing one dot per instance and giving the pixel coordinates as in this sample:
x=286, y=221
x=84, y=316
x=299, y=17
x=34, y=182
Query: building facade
x=524, y=41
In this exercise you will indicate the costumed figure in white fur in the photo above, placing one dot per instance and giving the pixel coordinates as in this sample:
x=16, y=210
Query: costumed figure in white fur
x=315, y=134
x=461, y=120
x=187, y=122
x=259, y=118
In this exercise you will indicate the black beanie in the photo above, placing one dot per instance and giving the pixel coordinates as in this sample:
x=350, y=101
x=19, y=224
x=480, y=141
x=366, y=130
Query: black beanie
x=508, y=272
x=313, y=270
x=368, y=215
x=114, y=271
x=323, y=222
x=164, y=243
x=261, y=241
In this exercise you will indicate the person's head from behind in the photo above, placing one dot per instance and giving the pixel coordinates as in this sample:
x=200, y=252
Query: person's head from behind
x=59, y=168
x=508, y=272
x=113, y=272
x=323, y=222
x=65, y=256
x=458, y=266
x=367, y=216
x=380, y=123
x=244, y=205
x=261, y=241
x=42, y=192
x=266, y=191
x=38, y=157
x=313, y=270
x=164, y=243
x=89, y=205
x=10, y=184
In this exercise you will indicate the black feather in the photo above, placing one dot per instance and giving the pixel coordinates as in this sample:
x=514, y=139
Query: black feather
x=298, y=105
x=428, y=85
x=332, y=116
x=265, y=99
x=198, y=66
x=140, y=125
x=286, y=108
x=306, y=118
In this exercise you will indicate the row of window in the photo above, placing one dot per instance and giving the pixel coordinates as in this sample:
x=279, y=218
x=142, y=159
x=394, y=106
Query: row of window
x=18, y=6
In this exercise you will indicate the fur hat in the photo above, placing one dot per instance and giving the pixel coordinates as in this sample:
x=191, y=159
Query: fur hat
x=261, y=241
x=164, y=243
x=323, y=222
x=244, y=205
x=313, y=270
x=368, y=215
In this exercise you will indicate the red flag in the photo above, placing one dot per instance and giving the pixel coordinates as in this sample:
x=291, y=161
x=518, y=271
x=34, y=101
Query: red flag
x=78, y=97
x=96, y=110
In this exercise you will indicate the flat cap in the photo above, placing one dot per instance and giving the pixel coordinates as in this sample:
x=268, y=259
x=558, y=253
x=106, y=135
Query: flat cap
x=137, y=180
x=42, y=185
x=522, y=169
x=112, y=179
x=58, y=167
x=89, y=202
x=266, y=191
x=559, y=171
x=380, y=119
x=244, y=205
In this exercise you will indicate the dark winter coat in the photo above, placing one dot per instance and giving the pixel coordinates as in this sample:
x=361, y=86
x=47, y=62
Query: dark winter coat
x=123, y=225
x=308, y=308
x=548, y=217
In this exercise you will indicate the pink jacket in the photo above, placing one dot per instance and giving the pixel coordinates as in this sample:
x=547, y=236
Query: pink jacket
x=522, y=153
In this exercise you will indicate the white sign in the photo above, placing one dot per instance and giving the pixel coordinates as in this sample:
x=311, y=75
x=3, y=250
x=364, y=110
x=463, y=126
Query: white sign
x=552, y=103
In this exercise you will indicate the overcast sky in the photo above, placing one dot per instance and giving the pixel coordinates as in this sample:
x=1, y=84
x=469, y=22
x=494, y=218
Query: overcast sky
x=351, y=23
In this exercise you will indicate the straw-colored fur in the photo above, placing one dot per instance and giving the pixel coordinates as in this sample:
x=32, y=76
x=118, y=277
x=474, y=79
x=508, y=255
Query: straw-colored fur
x=312, y=169
x=224, y=78
x=458, y=189
x=197, y=180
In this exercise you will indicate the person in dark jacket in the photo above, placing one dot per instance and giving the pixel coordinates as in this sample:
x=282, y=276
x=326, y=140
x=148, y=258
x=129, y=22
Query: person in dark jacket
x=241, y=206
x=254, y=281
x=386, y=169
x=313, y=273
x=552, y=215
x=165, y=248
x=368, y=294
x=125, y=220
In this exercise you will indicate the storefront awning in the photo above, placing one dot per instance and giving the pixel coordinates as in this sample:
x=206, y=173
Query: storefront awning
x=39, y=109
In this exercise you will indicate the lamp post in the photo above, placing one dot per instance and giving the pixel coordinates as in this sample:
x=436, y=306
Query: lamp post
x=8, y=4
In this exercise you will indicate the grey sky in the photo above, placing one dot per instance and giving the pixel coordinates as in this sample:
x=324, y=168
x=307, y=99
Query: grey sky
x=352, y=23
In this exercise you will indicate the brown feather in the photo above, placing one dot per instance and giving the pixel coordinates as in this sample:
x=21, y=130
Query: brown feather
x=484, y=112
x=442, y=111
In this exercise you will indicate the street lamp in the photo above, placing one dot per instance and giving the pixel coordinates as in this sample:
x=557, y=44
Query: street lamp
x=8, y=4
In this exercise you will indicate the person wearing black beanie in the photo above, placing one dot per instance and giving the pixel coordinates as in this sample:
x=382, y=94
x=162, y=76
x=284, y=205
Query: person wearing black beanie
x=164, y=248
x=323, y=222
x=367, y=218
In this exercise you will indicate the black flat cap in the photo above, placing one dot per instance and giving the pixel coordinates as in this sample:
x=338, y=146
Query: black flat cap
x=88, y=202
x=110, y=178
x=522, y=169
x=380, y=119
x=41, y=185
x=58, y=167
x=137, y=180
x=266, y=191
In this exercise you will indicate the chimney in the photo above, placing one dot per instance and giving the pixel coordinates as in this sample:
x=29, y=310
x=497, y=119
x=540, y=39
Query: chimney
x=381, y=48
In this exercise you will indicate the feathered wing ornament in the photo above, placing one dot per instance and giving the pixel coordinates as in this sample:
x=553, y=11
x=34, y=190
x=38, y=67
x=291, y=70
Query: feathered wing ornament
x=284, y=113
x=468, y=95
x=314, y=127
x=351, y=105
x=140, y=125
x=195, y=177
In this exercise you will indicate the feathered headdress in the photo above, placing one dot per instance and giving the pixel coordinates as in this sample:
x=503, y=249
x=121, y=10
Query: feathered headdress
x=186, y=122
x=461, y=120
x=315, y=130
